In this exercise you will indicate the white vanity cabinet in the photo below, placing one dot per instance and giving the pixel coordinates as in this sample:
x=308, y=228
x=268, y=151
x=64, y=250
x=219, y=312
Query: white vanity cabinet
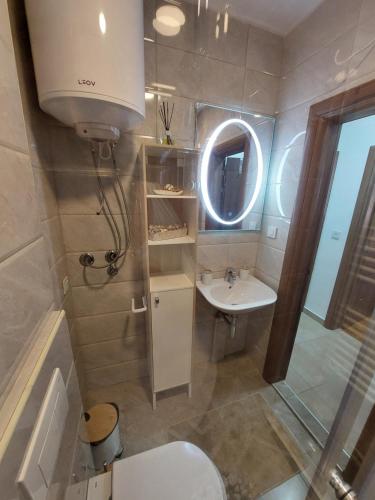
x=170, y=264
x=172, y=328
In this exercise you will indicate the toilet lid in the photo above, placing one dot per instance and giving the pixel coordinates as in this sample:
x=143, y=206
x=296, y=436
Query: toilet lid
x=175, y=470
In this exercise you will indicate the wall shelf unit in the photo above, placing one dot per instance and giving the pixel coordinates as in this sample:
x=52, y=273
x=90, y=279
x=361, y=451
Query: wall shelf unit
x=170, y=264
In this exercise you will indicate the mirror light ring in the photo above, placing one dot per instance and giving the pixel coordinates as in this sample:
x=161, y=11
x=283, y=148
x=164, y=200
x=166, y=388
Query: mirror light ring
x=205, y=167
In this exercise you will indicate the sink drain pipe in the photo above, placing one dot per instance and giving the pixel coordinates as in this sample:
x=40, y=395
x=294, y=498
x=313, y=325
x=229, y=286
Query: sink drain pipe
x=231, y=320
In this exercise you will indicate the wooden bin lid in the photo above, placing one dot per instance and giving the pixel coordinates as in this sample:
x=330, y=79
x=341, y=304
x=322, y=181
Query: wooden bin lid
x=101, y=419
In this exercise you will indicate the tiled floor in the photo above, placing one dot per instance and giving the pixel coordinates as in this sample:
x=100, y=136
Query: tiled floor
x=321, y=363
x=233, y=415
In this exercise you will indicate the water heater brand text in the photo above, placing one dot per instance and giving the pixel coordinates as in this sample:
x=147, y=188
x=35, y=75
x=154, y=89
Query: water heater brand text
x=90, y=83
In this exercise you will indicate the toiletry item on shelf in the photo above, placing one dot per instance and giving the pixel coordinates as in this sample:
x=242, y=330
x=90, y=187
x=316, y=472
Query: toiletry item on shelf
x=244, y=273
x=207, y=277
x=159, y=232
x=168, y=190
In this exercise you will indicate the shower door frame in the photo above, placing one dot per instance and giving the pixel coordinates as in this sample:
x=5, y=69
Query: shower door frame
x=322, y=135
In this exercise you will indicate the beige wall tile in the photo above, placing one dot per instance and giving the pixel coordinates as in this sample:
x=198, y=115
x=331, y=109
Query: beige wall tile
x=264, y=51
x=58, y=272
x=150, y=63
x=260, y=92
x=114, y=374
x=78, y=192
x=222, y=237
x=198, y=77
x=19, y=217
x=269, y=261
x=12, y=127
x=113, y=351
x=319, y=74
x=97, y=328
x=46, y=193
x=204, y=34
x=222, y=83
x=268, y=280
x=363, y=61
x=53, y=237
x=110, y=298
x=367, y=11
x=213, y=257
x=148, y=126
x=148, y=17
x=286, y=165
x=181, y=70
x=290, y=127
x=282, y=226
x=242, y=254
x=24, y=303
x=280, y=199
x=92, y=233
x=329, y=21
x=210, y=39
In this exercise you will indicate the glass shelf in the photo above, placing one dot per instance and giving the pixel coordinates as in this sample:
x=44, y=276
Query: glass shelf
x=166, y=197
x=184, y=240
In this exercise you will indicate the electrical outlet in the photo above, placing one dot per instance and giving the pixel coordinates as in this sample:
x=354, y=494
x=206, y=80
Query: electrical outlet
x=65, y=284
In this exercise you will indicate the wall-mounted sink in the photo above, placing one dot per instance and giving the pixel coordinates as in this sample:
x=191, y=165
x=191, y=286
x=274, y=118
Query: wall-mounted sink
x=240, y=297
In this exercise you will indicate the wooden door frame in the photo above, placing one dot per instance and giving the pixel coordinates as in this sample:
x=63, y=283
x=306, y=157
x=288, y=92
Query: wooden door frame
x=322, y=135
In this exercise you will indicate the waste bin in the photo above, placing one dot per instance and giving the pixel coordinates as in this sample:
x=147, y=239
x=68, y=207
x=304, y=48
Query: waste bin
x=103, y=433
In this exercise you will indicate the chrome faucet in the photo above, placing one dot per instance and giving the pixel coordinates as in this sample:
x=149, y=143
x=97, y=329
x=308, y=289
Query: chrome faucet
x=230, y=275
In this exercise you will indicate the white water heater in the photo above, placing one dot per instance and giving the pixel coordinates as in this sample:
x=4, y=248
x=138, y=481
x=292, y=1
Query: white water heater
x=89, y=61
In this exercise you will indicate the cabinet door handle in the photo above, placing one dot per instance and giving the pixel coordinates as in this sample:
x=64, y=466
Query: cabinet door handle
x=157, y=301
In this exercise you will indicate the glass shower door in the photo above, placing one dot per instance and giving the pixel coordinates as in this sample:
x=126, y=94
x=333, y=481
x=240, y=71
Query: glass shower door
x=330, y=383
x=349, y=452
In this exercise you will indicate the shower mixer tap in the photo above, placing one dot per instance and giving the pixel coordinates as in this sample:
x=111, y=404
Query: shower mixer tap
x=112, y=270
x=86, y=259
x=111, y=256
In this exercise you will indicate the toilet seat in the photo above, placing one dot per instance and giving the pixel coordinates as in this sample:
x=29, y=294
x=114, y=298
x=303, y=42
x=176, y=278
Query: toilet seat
x=178, y=470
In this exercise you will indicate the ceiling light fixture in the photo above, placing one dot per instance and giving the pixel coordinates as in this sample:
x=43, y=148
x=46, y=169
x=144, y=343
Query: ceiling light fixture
x=102, y=23
x=164, y=29
x=170, y=15
x=168, y=20
x=226, y=19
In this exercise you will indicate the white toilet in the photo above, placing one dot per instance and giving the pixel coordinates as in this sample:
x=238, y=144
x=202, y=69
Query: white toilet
x=178, y=470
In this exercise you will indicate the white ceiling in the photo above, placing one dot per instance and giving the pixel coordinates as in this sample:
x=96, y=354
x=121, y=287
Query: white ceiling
x=278, y=16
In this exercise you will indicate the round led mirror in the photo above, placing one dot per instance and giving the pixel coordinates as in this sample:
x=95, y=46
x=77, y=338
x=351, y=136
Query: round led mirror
x=231, y=172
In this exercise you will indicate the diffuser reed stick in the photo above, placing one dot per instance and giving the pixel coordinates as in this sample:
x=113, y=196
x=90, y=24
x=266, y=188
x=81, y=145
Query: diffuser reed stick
x=166, y=117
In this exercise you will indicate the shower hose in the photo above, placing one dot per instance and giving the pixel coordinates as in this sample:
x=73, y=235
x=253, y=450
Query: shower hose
x=105, y=151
